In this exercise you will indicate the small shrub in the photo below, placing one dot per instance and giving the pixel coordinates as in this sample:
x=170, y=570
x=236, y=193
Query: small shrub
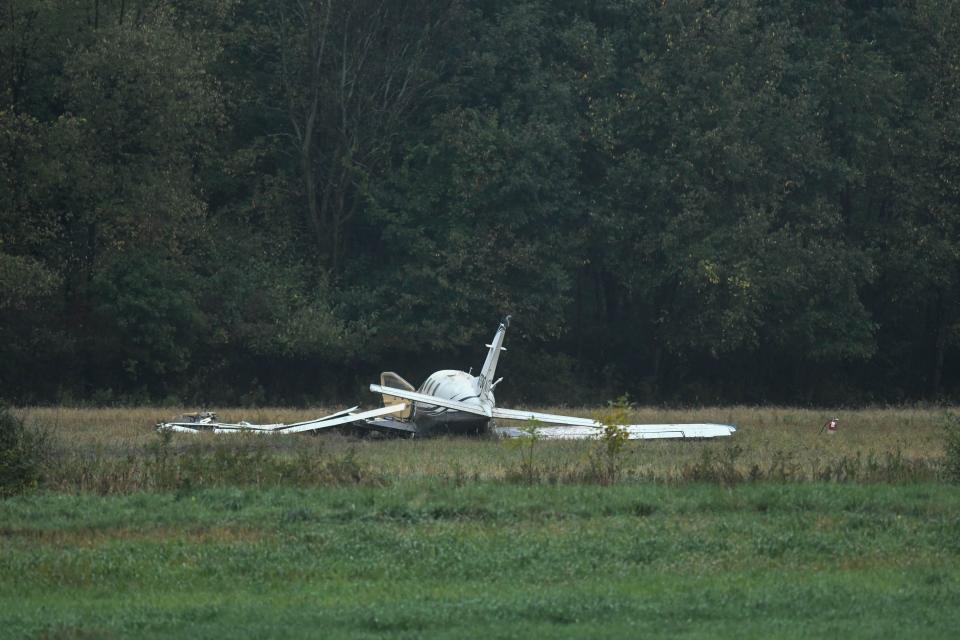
x=161, y=460
x=605, y=458
x=528, y=470
x=24, y=451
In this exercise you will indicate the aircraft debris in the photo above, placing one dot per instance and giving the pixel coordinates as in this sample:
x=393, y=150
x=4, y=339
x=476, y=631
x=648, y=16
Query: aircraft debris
x=451, y=401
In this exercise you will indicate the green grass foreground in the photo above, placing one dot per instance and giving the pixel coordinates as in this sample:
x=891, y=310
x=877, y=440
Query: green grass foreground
x=485, y=559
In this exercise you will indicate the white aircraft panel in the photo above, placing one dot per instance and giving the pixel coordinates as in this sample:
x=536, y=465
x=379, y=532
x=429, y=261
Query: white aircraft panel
x=179, y=428
x=239, y=426
x=341, y=417
x=431, y=400
x=639, y=431
x=515, y=414
x=353, y=417
x=329, y=417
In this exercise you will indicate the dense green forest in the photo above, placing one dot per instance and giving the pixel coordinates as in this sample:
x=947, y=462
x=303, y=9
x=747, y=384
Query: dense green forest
x=691, y=201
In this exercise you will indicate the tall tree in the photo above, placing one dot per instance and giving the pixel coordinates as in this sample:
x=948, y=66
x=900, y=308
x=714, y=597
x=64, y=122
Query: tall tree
x=351, y=75
x=914, y=232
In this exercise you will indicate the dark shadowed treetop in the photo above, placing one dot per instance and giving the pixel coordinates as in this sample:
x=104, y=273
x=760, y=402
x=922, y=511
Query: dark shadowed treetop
x=690, y=201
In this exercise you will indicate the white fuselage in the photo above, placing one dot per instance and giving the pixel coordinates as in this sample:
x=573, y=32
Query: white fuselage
x=452, y=385
x=452, y=401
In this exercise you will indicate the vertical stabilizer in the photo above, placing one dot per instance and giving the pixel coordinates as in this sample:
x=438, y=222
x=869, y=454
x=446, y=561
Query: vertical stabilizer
x=485, y=379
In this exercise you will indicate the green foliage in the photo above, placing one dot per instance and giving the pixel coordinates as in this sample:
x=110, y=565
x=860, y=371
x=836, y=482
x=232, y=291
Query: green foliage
x=24, y=453
x=161, y=460
x=224, y=199
x=528, y=470
x=605, y=456
x=23, y=280
x=147, y=317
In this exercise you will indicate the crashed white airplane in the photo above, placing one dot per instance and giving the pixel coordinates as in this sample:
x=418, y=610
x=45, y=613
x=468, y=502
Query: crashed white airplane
x=454, y=402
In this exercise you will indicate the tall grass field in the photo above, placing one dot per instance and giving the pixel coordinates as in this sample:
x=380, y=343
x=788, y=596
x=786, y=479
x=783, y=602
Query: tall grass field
x=779, y=531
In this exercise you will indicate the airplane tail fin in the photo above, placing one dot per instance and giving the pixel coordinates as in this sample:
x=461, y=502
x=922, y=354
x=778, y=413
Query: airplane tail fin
x=485, y=380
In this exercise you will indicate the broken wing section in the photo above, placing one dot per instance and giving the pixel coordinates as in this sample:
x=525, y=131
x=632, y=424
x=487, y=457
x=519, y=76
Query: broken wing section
x=550, y=418
x=573, y=428
x=348, y=416
x=641, y=432
x=347, y=419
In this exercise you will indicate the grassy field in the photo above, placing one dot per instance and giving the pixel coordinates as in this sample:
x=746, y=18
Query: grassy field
x=776, y=532
x=486, y=560
x=108, y=450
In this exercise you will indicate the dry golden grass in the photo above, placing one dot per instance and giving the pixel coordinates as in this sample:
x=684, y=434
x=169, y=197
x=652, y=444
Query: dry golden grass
x=773, y=442
x=914, y=430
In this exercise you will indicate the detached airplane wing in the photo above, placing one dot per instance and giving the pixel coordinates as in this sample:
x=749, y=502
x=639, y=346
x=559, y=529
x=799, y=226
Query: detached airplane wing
x=585, y=429
x=207, y=424
x=341, y=417
x=640, y=431
x=324, y=423
x=550, y=418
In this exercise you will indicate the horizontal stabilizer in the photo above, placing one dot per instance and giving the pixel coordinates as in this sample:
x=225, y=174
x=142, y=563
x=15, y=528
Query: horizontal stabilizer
x=424, y=398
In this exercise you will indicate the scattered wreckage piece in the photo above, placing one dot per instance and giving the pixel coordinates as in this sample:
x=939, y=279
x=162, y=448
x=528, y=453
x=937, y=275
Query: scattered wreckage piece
x=208, y=423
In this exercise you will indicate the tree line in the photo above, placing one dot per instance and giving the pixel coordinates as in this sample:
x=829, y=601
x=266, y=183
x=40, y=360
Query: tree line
x=690, y=201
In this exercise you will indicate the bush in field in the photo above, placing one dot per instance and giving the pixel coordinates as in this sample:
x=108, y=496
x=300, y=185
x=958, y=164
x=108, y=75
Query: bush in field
x=952, y=448
x=606, y=456
x=23, y=453
x=528, y=470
